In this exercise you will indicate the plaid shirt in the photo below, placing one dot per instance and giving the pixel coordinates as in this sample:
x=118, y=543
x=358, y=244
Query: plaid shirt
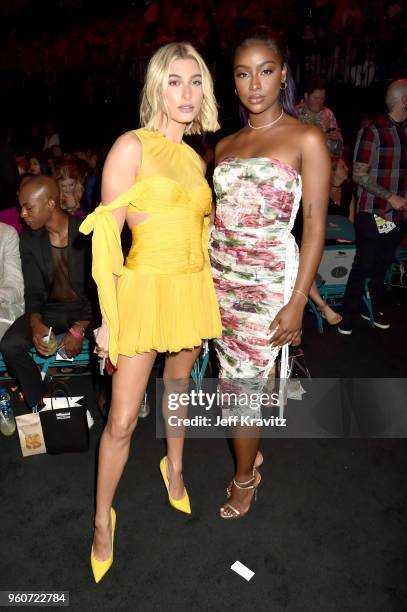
x=382, y=145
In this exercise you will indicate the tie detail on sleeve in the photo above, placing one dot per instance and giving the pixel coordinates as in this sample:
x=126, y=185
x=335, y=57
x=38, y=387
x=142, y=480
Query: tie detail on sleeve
x=107, y=260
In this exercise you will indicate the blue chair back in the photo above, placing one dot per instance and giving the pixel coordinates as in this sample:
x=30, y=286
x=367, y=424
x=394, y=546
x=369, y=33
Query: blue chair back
x=339, y=228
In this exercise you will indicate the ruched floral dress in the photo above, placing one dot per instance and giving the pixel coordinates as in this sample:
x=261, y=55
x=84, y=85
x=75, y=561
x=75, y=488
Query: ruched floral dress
x=254, y=260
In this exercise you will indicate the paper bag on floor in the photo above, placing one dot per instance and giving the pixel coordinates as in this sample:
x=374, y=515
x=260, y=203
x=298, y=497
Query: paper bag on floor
x=30, y=434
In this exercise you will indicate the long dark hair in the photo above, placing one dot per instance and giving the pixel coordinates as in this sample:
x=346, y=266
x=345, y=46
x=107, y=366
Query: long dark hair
x=276, y=42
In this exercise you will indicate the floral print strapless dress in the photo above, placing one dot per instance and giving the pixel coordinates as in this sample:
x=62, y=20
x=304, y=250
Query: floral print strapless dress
x=254, y=260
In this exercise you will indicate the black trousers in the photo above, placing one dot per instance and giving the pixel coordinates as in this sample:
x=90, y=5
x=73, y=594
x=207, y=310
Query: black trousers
x=18, y=340
x=374, y=254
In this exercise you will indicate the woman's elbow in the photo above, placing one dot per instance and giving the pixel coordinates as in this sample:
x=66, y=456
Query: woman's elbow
x=315, y=227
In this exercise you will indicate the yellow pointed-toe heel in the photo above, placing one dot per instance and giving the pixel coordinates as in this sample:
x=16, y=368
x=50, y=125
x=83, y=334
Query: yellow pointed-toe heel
x=99, y=568
x=183, y=505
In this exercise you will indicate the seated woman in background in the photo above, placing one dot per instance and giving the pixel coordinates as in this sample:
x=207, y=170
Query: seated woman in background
x=341, y=198
x=341, y=202
x=37, y=164
x=69, y=181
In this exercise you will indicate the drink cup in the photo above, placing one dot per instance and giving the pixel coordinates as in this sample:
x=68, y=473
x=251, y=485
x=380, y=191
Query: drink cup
x=52, y=342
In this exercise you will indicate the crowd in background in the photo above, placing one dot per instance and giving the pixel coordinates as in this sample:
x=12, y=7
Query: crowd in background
x=91, y=37
x=85, y=60
x=78, y=173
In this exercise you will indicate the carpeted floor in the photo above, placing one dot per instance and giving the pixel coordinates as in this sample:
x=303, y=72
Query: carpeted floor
x=327, y=532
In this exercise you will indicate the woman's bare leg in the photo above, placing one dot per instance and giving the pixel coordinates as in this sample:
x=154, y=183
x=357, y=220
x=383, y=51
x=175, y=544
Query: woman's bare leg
x=315, y=295
x=128, y=388
x=330, y=315
x=177, y=372
x=247, y=456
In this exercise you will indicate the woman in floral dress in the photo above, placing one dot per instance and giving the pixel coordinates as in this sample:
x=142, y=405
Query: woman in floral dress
x=261, y=283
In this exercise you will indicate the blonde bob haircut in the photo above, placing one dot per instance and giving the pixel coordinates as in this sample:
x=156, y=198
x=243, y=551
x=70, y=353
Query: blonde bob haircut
x=153, y=106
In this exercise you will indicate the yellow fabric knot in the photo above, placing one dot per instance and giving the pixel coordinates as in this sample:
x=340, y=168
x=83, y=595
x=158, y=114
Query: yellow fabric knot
x=107, y=260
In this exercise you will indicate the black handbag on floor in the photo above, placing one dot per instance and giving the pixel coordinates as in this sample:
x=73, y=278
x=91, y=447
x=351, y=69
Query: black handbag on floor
x=65, y=429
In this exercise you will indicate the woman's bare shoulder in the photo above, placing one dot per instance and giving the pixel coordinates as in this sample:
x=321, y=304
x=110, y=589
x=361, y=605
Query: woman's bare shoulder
x=128, y=144
x=303, y=130
x=125, y=152
x=305, y=136
x=225, y=145
x=312, y=138
x=121, y=166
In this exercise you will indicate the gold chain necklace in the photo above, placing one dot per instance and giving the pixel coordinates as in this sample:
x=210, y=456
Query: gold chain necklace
x=260, y=127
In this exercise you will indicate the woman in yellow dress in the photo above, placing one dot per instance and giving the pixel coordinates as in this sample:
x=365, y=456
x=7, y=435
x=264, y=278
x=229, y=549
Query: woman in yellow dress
x=162, y=299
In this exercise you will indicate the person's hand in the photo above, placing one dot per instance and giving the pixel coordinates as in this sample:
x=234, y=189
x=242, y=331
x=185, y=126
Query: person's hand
x=288, y=322
x=72, y=345
x=397, y=202
x=39, y=331
x=102, y=341
x=334, y=135
x=69, y=203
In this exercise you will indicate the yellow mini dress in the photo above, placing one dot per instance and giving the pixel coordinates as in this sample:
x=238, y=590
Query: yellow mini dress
x=165, y=299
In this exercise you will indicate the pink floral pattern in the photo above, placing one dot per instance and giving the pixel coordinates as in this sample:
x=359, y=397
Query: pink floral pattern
x=254, y=258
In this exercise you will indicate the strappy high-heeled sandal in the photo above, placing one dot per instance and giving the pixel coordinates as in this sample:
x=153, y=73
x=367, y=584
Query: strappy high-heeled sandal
x=243, y=486
x=255, y=467
x=331, y=317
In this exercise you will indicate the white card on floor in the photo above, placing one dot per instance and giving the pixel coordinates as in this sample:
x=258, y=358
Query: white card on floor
x=242, y=570
x=59, y=358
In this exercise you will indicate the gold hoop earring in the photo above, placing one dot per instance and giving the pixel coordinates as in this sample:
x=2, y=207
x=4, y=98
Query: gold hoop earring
x=285, y=85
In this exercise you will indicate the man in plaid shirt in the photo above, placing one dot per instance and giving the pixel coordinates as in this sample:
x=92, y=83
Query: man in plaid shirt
x=380, y=171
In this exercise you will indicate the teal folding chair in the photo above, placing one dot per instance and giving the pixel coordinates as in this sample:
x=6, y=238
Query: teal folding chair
x=331, y=282
x=45, y=363
x=200, y=366
x=335, y=294
x=397, y=267
x=339, y=229
x=81, y=360
x=3, y=369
